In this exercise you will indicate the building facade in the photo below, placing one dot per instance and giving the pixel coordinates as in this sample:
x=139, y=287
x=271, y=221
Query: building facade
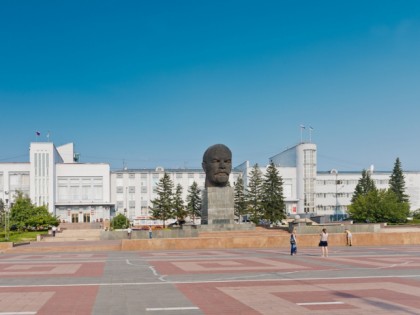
x=90, y=192
x=132, y=190
x=75, y=192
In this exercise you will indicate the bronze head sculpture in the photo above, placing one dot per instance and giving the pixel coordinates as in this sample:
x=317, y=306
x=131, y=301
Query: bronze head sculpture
x=217, y=163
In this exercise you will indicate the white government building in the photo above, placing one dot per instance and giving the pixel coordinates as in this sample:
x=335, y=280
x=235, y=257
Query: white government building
x=89, y=192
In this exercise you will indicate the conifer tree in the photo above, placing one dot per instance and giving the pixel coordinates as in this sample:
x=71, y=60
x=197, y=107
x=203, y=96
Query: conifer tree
x=364, y=186
x=194, y=201
x=240, y=207
x=163, y=204
x=397, y=182
x=253, y=194
x=179, y=208
x=273, y=206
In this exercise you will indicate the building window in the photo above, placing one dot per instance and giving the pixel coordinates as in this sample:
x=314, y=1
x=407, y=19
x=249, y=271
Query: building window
x=120, y=190
x=132, y=189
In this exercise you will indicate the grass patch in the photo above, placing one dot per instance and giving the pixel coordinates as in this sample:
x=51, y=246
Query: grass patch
x=414, y=221
x=17, y=237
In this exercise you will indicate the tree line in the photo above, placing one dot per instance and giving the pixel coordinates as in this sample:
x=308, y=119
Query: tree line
x=263, y=199
x=370, y=204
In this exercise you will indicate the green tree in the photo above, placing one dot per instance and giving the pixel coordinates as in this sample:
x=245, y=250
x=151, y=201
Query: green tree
x=120, y=221
x=180, y=211
x=416, y=214
x=163, y=204
x=379, y=206
x=24, y=214
x=364, y=185
x=273, y=206
x=40, y=217
x=2, y=213
x=240, y=206
x=254, y=195
x=194, y=201
x=397, y=182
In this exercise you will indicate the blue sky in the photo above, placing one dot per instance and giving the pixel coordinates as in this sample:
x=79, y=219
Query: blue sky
x=154, y=83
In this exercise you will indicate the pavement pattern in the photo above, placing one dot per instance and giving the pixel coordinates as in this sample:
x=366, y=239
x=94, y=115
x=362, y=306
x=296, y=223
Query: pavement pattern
x=352, y=280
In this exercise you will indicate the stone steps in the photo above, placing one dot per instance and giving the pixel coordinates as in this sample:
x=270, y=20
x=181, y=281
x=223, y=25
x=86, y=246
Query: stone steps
x=74, y=235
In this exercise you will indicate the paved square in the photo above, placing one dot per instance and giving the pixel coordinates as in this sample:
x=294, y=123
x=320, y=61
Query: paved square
x=356, y=281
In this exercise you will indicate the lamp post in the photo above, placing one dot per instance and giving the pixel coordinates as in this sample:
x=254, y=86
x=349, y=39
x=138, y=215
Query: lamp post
x=335, y=172
x=6, y=219
x=126, y=209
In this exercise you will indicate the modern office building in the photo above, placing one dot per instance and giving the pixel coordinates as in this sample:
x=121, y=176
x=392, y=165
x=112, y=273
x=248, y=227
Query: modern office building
x=87, y=192
x=76, y=192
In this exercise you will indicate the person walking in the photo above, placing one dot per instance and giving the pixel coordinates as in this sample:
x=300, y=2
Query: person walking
x=150, y=231
x=349, y=237
x=323, y=243
x=54, y=230
x=129, y=230
x=293, y=243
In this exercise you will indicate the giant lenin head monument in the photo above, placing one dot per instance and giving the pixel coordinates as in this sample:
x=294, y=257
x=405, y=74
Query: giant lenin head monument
x=218, y=202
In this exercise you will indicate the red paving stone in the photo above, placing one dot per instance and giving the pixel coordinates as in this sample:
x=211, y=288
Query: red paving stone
x=51, y=270
x=48, y=300
x=231, y=266
x=390, y=296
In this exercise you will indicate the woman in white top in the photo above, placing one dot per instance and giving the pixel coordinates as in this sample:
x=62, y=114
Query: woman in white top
x=323, y=243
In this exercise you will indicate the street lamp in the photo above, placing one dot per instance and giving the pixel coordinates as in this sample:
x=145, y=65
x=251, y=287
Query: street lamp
x=6, y=218
x=335, y=172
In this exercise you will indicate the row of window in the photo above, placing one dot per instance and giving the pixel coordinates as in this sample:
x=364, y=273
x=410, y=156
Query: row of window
x=349, y=182
x=337, y=208
x=333, y=195
x=131, y=204
x=157, y=175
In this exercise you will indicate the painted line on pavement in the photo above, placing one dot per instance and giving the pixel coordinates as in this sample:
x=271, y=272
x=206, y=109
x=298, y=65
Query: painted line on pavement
x=151, y=309
x=319, y=303
x=202, y=281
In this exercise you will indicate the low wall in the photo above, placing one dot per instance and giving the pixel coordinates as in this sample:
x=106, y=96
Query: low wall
x=144, y=234
x=335, y=228
x=281, y=241
x=6, y=245
x=226, y=227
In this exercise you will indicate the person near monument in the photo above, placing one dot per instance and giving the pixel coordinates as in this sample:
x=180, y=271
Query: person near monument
x=293, y=243
x=150, y=232
x=217, y=164
x=349, y=237
x=323, y=243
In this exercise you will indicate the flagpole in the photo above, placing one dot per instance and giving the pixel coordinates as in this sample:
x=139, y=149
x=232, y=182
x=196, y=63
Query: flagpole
x=310, y=134
x=301, y=133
